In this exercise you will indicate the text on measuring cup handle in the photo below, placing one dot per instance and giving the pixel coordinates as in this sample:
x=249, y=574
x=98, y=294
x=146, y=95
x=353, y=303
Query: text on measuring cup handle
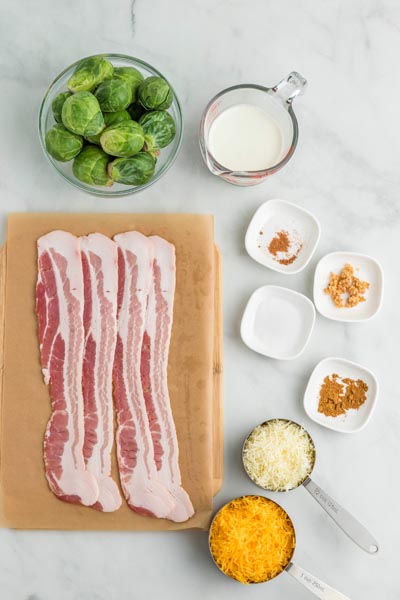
x=320, y=494
x=311, y=581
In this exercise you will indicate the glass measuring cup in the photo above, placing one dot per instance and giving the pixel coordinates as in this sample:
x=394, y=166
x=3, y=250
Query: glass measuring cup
x=277, y=102
x=347, y=523
x=312, y=583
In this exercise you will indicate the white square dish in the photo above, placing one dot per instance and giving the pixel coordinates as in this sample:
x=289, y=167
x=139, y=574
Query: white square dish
x=277, y=216
x=353, y=420
x=277, y=322
x=366, y=268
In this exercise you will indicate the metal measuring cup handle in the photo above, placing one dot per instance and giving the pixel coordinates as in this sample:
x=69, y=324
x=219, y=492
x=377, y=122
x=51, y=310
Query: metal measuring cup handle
x=349, y=524
x=314, y=585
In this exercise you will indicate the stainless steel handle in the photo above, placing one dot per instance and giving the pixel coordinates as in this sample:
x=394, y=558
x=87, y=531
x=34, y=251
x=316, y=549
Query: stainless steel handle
x=314, y=585
x=347, y=523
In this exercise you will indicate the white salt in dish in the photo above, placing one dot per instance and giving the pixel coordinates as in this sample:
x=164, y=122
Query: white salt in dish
x=277, y=322
x=273, y=217
x=366, y=269
x=354, y=419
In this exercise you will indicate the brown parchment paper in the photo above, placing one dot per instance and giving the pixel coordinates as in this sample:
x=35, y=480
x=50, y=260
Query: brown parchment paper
x=3, y=265
x=27, y=502
x=218, y=415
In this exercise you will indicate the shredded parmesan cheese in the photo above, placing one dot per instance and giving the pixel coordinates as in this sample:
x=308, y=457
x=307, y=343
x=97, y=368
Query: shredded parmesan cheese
x=252, y=539
x=278, y=455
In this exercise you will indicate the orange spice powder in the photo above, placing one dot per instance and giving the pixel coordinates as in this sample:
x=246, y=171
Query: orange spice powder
x=282, y=243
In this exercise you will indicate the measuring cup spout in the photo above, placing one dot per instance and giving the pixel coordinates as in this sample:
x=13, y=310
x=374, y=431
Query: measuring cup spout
x=290, y=87
x=213, y=167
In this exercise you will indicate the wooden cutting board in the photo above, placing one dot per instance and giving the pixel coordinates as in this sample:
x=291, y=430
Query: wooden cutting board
x=216, y=423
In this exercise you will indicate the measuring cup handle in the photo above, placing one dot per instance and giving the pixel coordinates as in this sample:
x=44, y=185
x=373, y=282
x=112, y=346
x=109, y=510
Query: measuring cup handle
x=290, y=87
x=314, y=585
x=351, y=527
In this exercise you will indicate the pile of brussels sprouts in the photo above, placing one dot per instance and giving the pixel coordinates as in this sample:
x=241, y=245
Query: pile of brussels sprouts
x=112, y=122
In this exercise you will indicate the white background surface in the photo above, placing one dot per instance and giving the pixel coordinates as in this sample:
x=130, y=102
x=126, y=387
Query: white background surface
x=345, y=170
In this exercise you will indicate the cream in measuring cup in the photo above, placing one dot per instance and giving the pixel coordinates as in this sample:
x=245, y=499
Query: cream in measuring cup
x=245, y=138
x=248, y=132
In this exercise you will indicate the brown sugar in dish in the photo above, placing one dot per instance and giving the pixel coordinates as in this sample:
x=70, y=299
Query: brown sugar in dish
x=346, y=283
x=282, y=243
x=338, y=395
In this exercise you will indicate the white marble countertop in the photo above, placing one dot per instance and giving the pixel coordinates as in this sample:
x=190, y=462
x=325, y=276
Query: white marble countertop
x=345, y=170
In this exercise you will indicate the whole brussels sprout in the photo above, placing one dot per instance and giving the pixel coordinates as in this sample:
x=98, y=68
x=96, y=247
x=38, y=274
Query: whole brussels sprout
x=136, y=110
x=155, y=94
x=61, y=144
x=81, y=114
x=89, y=73
x=159, y=129
x=58, y=103
x=122, y=139
x=131, y=76
x=114, y=95
x=133, y=171
x=116, y=117
x=90, y=166
x=110, y=119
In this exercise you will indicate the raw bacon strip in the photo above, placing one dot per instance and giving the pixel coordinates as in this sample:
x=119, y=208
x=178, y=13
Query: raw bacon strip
x=138, y=473
x=154, y=367
x=59, y=307
x=100, y=278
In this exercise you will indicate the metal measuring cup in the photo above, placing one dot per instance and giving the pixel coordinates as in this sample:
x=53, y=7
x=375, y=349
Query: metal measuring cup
x=313, y=584
x=347, y=523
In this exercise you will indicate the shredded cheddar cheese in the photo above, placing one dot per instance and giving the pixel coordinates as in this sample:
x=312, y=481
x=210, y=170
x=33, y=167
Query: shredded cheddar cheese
x=278, y=455
x=252, y=539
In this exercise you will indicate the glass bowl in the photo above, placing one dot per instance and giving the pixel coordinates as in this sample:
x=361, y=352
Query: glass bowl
x=46, y=121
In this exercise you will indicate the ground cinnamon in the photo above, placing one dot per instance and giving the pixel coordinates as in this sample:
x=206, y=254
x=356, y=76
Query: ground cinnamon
x=282, y=243
x=290, y=260
x=338, y=395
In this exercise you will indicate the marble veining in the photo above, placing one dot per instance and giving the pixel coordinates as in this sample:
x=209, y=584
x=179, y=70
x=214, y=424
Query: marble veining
x=345, y=170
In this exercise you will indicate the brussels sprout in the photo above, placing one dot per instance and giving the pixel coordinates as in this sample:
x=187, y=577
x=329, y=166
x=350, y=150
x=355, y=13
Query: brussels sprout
x=159, y=129
x=58, y=103
x=61, y=144
x=81, y=114
x=131, y=76
x=122, y=139
x=133, y=171
x=114, y=95
x=90, y=166
x=136, y=110
x=116, y=117
x=110, y=119
x=155, y=94
x=89, y=73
